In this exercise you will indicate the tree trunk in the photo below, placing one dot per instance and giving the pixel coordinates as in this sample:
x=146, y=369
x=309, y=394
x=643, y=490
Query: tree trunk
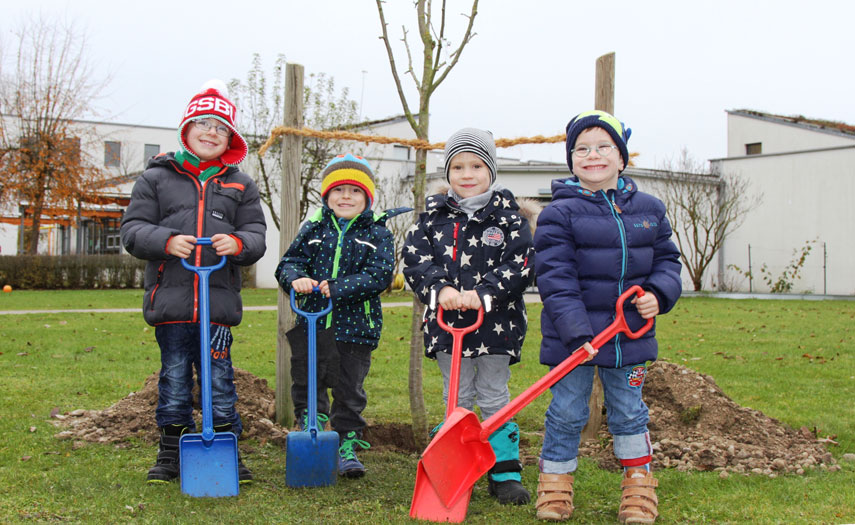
x=416, y=389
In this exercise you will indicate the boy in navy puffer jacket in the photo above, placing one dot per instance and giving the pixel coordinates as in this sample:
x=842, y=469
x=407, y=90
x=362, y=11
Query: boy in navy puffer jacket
x=470, y=243
x=598, y=237
x=347, y=252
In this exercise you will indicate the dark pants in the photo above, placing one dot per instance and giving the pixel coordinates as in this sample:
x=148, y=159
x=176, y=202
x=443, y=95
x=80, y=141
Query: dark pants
x=179, y=353
x=348, y=394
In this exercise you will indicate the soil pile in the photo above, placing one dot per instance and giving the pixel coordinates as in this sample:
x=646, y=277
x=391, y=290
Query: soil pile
x=693, y=426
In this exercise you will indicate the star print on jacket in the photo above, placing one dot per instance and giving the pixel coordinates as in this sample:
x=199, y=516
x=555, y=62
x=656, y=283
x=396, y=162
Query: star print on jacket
x=491, y=253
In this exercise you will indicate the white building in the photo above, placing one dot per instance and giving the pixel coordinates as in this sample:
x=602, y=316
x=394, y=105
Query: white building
x=806, y=171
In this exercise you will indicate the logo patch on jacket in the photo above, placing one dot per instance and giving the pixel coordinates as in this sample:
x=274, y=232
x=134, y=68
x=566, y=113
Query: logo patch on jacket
x=493, y=236
x=217, y=214
x=635, y=377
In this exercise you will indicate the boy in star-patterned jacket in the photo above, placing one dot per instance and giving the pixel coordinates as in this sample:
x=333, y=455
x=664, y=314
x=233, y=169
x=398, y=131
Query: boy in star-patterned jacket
x=347, y=252
x=473, y=242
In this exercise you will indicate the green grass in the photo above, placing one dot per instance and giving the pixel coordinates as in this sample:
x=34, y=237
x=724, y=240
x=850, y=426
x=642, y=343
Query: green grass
x=756, y=350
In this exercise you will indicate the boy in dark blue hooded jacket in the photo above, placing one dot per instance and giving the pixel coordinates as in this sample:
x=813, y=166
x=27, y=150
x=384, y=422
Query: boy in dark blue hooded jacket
x=598, y=237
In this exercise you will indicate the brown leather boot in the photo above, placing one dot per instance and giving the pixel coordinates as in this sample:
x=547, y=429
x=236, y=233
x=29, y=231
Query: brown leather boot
x=554, y=497
x=638, y=503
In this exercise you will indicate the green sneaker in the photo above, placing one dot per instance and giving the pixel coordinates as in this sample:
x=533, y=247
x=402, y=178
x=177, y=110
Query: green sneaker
x=349, y=465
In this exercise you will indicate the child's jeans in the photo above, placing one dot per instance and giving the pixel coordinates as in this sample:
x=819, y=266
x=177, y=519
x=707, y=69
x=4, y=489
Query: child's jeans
x=568, y=412
x=349, y=398
x=483, y=379
x=179, y=353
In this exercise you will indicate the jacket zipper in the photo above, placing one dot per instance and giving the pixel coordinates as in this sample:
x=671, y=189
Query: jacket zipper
x=156, y=286
x=615, y=210
x=337, y=256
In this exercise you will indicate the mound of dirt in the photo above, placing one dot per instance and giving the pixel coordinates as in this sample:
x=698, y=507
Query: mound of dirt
x=694, y=426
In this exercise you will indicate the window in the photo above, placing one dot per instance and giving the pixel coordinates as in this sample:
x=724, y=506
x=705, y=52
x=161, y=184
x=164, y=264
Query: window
x=112, y=154
x=401, y=153
x=755, y=148
x=151, y=150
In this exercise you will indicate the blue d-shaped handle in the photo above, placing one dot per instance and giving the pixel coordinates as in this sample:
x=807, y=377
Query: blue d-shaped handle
x=207, y=269
x=310, y=315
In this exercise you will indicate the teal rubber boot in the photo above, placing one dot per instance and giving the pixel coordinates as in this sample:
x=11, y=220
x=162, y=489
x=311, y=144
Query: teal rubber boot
x=503, y=480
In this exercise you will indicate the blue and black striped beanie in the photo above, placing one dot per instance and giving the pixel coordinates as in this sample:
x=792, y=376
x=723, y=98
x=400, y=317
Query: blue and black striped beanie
x=475, y=141
x=615, y=128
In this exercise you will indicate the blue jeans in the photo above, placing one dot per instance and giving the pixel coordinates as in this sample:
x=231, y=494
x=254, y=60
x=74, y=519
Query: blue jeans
x=627, y=416
x=179, y=353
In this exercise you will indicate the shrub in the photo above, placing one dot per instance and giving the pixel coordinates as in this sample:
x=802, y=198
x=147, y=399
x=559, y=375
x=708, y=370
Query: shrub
x=53, y=272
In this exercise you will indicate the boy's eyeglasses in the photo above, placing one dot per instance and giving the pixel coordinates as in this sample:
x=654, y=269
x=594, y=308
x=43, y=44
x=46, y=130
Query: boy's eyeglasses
x=603, y=150
x=206, y=125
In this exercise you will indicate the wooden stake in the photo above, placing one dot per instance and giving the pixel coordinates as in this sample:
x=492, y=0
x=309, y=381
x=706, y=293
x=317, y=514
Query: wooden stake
x=604, y=100
x=289, y=220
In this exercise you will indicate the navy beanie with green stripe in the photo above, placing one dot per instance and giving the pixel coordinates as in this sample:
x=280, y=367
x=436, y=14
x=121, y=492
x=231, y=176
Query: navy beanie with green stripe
x=596, y=118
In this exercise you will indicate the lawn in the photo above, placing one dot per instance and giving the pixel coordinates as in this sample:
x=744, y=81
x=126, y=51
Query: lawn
x=792, y=360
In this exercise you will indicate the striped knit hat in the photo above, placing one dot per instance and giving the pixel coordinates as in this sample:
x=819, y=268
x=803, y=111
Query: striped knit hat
x=475, y=141
x=348, y=169
x=596, y=118
x=213, y=102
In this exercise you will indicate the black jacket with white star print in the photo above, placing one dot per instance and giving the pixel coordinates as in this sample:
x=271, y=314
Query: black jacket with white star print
x=491, y=253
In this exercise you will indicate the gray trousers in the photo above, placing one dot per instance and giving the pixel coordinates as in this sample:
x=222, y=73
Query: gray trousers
x=483, y=381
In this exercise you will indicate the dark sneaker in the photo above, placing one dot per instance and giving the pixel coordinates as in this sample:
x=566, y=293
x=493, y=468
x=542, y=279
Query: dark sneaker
x=167, y=467
x=349, y=465
x=303, y=421
x=244, y=474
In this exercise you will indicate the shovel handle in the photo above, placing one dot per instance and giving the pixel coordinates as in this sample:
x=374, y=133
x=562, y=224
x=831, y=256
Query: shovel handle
x=205, y=340
x=312, y=387
x=456, y=354
x=618, y=326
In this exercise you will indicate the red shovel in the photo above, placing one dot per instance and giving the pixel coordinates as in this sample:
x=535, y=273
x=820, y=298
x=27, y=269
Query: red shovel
x=425, y=496
x=460, y=453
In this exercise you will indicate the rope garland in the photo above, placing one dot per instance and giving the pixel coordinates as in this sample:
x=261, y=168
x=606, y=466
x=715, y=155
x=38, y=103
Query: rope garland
x=413, y=143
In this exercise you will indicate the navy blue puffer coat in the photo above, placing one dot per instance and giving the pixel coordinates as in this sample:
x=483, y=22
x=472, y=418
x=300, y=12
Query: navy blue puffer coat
x=592, y=246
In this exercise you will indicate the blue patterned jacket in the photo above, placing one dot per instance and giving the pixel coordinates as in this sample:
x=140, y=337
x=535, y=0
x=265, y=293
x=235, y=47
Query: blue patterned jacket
x=591, y=246
x=490, y=253
x=356, y=257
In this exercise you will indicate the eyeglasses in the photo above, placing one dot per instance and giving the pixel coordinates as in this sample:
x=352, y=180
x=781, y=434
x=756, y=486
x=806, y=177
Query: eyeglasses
x=205, y=125
x=603, y=150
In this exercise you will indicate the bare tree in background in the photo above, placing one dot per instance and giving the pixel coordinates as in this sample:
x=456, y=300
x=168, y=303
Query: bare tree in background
x=437, y=61
x=46, y=83
x=261, y=110
x=704, y=209
x=395, y=191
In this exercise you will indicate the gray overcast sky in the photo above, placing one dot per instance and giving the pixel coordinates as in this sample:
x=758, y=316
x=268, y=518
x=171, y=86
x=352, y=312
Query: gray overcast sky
x=679, y=64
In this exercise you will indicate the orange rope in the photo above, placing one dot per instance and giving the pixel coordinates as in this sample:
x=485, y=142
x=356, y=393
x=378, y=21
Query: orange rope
x=414, y=143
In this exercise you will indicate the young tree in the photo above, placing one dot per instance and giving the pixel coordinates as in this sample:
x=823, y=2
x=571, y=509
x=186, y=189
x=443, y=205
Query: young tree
x=703, y=208
x=261, y=111
x=45, y=84
x=437, y=63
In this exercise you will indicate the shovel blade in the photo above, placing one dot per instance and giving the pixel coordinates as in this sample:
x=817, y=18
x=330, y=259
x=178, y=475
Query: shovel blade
x=311, y=461
x=209, y=471
x=457, y=457
x=427, y=505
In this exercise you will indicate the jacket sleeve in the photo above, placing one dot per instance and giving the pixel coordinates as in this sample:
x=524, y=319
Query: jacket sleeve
x=421, y=269
x=558, y=278
x=142, y=235
x=509, y=279
x=374, y=277
x=664, y=279
x=295, y=262
x=250, y=227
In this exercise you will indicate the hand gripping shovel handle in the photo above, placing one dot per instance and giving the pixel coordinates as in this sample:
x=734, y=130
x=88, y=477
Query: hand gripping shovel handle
x=205, y=339
x=311, y=319
x=618, y=326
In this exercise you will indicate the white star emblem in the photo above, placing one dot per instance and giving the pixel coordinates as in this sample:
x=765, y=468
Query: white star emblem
x=478, y=277
x=464, y=259
x=506, y=203
x=512, y=325
x=438, y=236
x=411, y=249
x=524, y=273
x=483, y=349
x=518, y=258
x=515, y=234
x=413, y=228
x=449, y=250
x=473, y=242
x=433, y=341
x=423, y=258
x=489, y=263
x=506, y=274
x=468, y=353
x=498, y=329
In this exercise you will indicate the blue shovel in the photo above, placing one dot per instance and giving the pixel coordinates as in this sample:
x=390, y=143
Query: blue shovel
x=209, y=461
x=311, y=458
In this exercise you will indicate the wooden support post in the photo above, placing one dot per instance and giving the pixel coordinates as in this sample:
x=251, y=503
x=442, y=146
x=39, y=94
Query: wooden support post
x=289, y=221
x=604, y=100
